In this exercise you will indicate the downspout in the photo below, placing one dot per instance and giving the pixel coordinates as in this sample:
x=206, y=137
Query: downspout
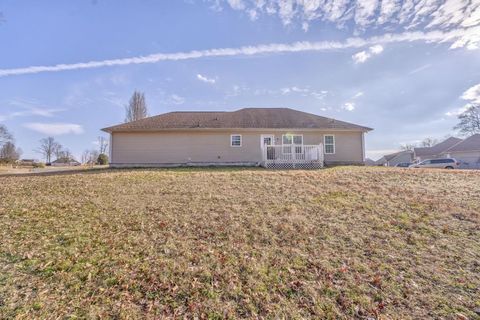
x=363, y=147
x=110, y=148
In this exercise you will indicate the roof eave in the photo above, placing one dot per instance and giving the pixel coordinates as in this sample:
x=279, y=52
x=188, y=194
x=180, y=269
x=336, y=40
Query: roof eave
x=113, y=129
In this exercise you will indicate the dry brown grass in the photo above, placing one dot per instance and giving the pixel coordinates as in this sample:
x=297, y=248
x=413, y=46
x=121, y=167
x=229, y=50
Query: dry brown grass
x=244, y=243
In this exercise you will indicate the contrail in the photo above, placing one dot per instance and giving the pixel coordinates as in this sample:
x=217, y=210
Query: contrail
x=468, y=38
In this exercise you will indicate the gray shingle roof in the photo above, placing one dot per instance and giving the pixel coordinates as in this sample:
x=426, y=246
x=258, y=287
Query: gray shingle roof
x=247, y=118
x=391, y=156
x=438, y=148
x=471, y=143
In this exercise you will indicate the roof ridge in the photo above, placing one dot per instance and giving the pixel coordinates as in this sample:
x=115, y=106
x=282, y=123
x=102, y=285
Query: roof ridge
x=194, y=112
x=456, y=144
x=462, y=141
x=242, y=118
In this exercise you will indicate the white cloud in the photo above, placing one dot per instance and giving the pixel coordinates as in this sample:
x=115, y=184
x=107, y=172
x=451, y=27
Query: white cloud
x=387, y=10
x=306, y=92
x=363, y=56
x=472, y=94
x=176, y=99
x=473, y=19
x=421, y=68
x=205, y=79
x=456, y=112
x=286, y=10
x=116, y=101
x=362, y=14
x=293, y=90
x=358, y=95
x=469, y=38
x=305, y=26
x=236, y=4
x=55, y=128
x=29, y=107
x=349, y=106
x=376, y=49
x=252, y=13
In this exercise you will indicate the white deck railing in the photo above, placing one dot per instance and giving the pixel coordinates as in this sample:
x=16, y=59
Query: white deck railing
x=293, y=156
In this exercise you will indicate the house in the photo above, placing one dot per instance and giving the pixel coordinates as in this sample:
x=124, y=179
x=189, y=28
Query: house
x=436, y=151
x=391, y=160
x=27, y=162
x=467, y=152
x=273, y=137
x=369, y=162
x=65, y=162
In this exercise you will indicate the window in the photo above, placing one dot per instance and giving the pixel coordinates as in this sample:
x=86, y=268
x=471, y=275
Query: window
x=329, y=142
x=292, y=142
x=442, y=161
x=287, y=139
x=235, y=140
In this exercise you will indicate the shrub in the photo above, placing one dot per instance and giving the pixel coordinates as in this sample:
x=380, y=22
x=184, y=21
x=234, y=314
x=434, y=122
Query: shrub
x=102, y=159
x=39, y=165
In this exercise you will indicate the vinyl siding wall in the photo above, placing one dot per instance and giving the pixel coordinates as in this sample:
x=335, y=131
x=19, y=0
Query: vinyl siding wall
x=401, y=158
x=179, y=147
x=468, y=160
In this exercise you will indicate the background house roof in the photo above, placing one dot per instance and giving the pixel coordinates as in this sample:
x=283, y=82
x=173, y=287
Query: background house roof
x=471, y=143
x=255, y=118
x=438, y=148
x=391, y=156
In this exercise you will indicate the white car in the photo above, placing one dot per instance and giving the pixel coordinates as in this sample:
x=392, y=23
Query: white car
x=443, y=163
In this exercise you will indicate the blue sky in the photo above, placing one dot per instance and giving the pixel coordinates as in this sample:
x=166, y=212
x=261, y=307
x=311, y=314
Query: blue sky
x=404, y=68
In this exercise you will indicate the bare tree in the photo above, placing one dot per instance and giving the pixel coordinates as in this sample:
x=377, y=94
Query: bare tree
x=137, y=107
x=9, y=152
x=94, y=155
x=59, y=151
x=48, y=148
x=65, y=155
x=469, y=121
x=90, y=157
x=429, y=142
x=407, y=147
x=102, y=145
x=86, y=157
x=5, y=136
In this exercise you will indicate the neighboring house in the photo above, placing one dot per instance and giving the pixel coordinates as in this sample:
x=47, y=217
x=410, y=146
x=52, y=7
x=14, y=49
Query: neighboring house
x=370, y=162
x=391, y=160
x=26, y=162
x=250, y=136
x=436, y=151
x=467, y=152
x=65, y=163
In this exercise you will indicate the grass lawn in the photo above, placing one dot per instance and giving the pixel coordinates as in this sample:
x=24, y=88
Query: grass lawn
x=347, y=242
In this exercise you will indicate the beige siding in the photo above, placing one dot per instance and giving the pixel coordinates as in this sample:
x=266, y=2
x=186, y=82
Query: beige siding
x=468, y=160
x=401, y=158
x=175, y=147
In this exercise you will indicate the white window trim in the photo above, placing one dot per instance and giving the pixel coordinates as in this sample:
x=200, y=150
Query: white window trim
x=293, y=135
x=292, y=145
x=231, y=141
x=267, y=136
x=325, y=144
